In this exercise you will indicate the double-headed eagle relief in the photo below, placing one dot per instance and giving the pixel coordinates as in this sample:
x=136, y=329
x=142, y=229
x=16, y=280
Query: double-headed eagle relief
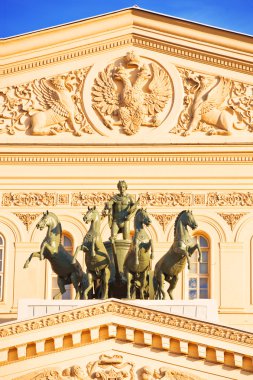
x=124, y=95
x=132, y=94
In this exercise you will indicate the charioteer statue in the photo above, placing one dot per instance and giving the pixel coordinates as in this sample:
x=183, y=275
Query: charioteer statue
x=120, y=209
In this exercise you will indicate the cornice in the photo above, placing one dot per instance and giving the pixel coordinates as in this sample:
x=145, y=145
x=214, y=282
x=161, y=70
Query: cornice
x=130, y=39
x=118, y=308
x=132, y=158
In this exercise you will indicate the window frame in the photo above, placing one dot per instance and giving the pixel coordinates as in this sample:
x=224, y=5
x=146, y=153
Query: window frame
x=198, y=275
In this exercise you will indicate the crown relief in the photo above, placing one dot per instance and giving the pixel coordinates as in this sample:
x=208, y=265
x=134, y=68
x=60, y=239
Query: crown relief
x=131, y=94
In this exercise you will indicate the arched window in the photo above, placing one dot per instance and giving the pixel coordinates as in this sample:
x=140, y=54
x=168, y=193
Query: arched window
x=199, y=277
x=1, y=267
x=67, y=242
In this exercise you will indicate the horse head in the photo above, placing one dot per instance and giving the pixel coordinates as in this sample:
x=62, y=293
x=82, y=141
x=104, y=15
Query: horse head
x=43, y=221
x=142, y=217
x=188, y=219
x=91, y=215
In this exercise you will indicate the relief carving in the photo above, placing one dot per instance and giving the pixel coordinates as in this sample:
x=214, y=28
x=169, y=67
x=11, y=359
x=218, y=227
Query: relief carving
x=230, y=199
x=164, y=219
x=45, y=106
x=164, y=373
x=165, y=199
x=215, y=105
x=27, y=218
x=132, y=94
x=72, y=373
x=232, y=219
x=90, y=199
x=29, y=199
x=110, y=368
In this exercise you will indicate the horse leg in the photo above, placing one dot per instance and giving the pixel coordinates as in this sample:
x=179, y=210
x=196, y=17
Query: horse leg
x=34, y=254
x=75, y=282
x=160, y=293
x=61, y=285
x=105, y=282
x=78, y=249
x=129, y=278
x=142, y=284
x=173, y=283
x=89, y=287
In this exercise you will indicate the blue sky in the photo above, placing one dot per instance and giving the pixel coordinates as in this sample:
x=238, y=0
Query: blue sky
x=22, y=16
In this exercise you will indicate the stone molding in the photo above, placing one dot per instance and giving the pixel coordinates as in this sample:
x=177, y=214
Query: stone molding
x=120, y=309
x=134, y=40
x=163, y=158
x=148, y=199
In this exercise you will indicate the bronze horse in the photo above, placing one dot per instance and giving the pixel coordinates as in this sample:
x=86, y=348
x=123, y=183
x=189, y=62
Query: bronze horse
x=173, y=262
x=60, y=260
x=137, y=262
x=96, y=257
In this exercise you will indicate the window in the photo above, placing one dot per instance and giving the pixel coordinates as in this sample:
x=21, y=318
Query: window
x=199, y=272
x=1, y=267
x=67, y=243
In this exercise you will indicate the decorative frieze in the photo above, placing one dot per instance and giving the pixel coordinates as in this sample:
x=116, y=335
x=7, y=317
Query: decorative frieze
x=166, y=199
x=134, y=40
x=29, y=199
x=117, y=308
x=148, y=199
x=230, y=199
x=88, y=199
x=232, y=219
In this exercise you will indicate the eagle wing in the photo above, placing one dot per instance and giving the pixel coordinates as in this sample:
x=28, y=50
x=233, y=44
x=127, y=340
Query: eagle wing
x=217, y=95
x=48, y=97
x=159, y=90
x=104, y=92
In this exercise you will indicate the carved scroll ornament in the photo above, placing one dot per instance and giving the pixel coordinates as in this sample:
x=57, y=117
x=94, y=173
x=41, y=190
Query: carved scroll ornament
x=72, y=373
x=164, y=373
x=131, y=94
x=215, y=105
x=45, y=106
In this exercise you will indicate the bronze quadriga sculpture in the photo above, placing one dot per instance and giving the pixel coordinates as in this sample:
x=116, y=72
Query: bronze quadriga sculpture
x=61, y=261
x=174, y=261
x=96, y=257
x=137, y=262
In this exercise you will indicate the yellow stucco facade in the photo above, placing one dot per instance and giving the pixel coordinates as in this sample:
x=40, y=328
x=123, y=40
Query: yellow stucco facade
x=184, y=141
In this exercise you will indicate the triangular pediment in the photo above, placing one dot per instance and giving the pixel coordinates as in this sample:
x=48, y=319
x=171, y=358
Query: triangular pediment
x=188, y=83
x=132, y=330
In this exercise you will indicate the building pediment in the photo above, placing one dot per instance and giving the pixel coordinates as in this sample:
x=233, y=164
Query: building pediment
x=132, y=77
x=117, y=323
